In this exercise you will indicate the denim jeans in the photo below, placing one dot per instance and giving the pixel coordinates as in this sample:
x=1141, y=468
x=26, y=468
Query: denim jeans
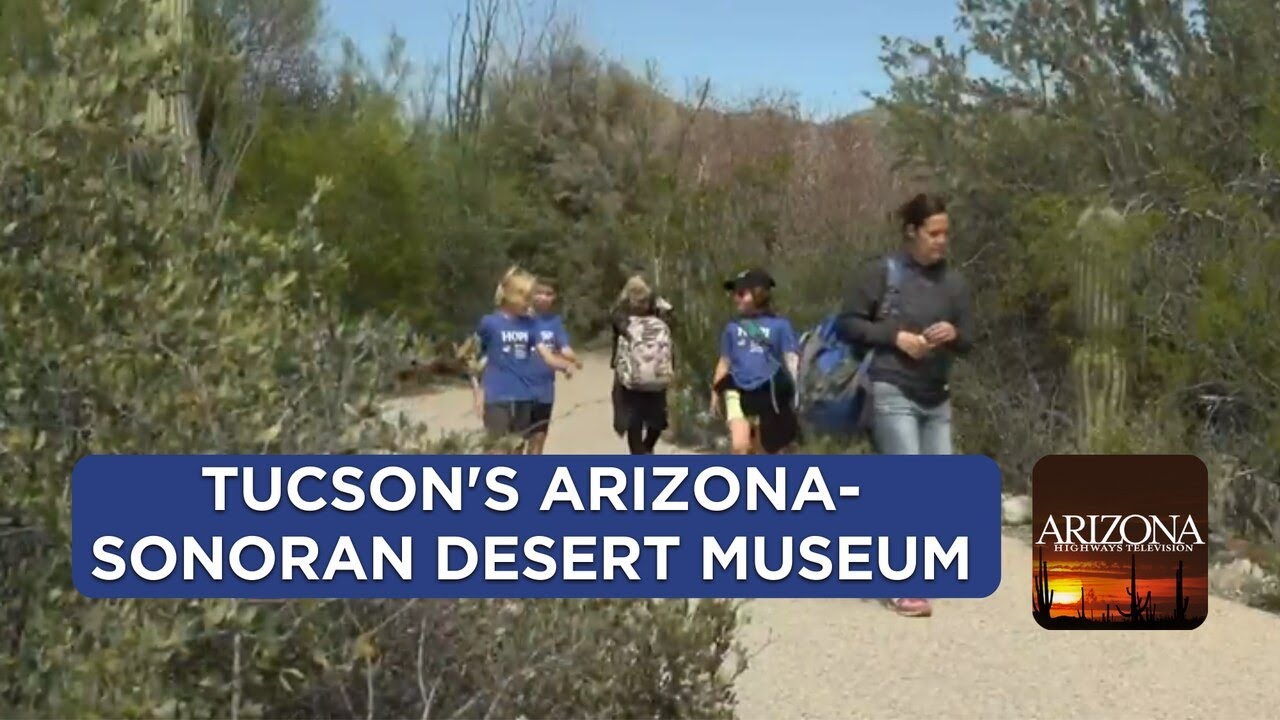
x=904, y=427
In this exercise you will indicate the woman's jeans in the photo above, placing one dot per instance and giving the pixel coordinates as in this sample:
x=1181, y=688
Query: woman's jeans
x=904, y=427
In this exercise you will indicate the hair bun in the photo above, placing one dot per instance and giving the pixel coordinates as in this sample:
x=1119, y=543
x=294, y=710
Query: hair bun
x=915, y=211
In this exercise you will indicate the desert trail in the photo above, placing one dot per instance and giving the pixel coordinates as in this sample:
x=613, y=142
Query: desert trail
x=973, y=659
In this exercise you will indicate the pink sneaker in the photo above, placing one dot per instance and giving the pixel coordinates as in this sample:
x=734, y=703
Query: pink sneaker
x=911, y=607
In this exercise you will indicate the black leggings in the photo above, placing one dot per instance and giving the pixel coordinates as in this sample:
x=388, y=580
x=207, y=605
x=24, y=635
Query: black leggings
x=640, y=417
x=642, y=439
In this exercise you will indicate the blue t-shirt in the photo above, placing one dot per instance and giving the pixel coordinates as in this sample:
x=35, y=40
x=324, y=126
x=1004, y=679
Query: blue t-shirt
x=551, y=333
x=508, y=344
x=753, y=361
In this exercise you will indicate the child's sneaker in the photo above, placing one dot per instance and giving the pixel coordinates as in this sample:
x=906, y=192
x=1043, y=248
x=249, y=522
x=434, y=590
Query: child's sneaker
x=911, y=607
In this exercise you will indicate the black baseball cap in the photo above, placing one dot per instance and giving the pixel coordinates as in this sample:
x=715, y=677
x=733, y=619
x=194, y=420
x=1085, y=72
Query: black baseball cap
x=750, y=280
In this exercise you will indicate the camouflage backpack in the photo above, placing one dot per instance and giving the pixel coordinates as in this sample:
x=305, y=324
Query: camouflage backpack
x=644, y=355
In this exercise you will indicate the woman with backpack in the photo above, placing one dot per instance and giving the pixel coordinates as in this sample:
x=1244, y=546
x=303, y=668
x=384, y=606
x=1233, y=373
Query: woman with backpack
x=915, y=343
x=643, y=365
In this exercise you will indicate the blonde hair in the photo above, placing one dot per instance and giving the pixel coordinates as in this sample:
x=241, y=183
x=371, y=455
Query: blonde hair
x=635, y=293
x=517, y=284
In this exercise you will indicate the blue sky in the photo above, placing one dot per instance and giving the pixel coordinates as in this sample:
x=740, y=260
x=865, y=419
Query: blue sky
x=824, y=51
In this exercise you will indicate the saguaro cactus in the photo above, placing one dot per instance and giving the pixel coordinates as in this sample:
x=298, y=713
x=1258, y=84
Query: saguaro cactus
x=1044, y=596
x=1180, y=602
x=1098, y=300
x=1080, y=612
x=168, y=107
x=1136, y=607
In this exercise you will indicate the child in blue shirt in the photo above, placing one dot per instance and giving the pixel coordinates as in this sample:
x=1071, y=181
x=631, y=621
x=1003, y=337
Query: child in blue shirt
x=552, y=333
x=510, y=347
x=754, y=380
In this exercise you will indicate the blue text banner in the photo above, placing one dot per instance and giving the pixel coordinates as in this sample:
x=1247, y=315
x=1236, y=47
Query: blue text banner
x=594, y=526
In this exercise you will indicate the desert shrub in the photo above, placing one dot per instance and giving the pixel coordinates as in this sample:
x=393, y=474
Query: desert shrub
x=531, y=658
x=1181, y=155
x=137, y=323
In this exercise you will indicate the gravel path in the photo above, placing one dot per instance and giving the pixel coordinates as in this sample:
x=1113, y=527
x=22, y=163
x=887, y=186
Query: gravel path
x=974, y=658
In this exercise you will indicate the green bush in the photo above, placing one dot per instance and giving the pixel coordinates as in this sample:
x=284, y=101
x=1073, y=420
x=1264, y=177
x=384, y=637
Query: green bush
x=1183, y=157
x=137, y=323
x=533, y=658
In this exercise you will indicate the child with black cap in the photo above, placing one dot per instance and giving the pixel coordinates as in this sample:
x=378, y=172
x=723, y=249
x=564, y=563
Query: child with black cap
x=755, y=377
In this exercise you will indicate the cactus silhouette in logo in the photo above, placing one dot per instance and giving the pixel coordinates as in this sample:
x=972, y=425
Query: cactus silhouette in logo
x=1044, y=596
x=1180, y=601
x=1136, y=608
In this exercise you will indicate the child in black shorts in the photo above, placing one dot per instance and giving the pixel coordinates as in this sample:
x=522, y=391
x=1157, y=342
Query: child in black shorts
x=755, y=378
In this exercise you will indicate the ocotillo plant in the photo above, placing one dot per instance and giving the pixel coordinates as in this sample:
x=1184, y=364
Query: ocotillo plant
x=1180, y=602
x=1044, y=596
x=1136, y=608
x=1101, y=274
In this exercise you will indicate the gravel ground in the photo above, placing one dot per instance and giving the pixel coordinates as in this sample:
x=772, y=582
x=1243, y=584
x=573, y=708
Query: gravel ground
x=974, y=658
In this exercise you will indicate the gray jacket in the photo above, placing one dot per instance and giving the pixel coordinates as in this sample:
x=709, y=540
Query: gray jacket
x=927, y=294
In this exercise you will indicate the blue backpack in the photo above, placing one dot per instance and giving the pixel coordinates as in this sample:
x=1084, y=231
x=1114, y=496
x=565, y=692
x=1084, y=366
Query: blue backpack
x=833, y=388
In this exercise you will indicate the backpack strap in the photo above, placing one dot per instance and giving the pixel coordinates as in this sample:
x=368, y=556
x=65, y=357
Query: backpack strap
x=892, y=285
x=754, y=332
x=888, y=306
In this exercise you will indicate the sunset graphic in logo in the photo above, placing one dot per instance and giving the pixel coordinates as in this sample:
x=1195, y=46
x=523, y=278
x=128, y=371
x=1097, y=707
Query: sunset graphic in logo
x=1120, y=542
